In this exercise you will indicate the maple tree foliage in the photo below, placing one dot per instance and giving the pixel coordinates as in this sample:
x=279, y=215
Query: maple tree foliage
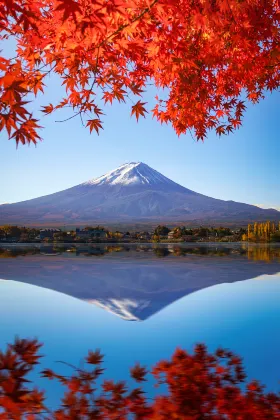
x=203, y=56
x=197, y=386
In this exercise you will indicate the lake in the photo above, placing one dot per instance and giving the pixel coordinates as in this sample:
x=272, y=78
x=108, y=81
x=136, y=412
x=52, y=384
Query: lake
x=140, y=302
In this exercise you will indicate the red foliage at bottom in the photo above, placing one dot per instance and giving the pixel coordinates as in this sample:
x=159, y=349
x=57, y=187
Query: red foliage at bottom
x=199, y=386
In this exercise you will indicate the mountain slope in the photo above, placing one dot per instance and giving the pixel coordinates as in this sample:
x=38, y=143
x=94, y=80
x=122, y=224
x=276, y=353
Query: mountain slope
x=132, y=192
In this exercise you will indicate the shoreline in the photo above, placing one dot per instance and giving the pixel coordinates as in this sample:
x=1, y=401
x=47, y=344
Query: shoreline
x=88, y=244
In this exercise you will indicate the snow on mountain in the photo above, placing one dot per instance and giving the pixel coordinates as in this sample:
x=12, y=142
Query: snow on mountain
x=134, y=173
x=124, y=308
x=132, y=192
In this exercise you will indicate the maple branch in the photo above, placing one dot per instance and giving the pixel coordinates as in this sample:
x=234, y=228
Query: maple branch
x=204, y=53
x=82, y=120
x=191, y=134
x=273, y=65
x=95, y=69
x=38, y=412
x=70, y=118
x=146, y=10
x=127, y=95
x=47, y=71
x=69, y=365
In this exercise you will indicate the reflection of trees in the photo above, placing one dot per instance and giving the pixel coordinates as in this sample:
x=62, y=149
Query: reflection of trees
x=116, y=248
x=16, y=252
x=264, y=253
x=161, y=252
x=91, y=252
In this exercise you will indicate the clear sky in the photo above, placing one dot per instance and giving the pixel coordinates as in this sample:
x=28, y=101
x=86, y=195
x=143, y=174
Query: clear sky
x=242, y=167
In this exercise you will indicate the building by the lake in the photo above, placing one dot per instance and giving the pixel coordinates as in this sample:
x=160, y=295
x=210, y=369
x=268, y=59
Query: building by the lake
x=87, y=234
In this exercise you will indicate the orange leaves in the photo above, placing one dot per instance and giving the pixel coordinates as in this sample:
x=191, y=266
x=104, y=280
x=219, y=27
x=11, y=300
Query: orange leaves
x=220, y=130
x=27, y=132
x=48, y=109
x=94, y=124
x=138, y=373
x=108, y=97
x=48, y=373
x=198, y=20
x=17, y=398
x=69, y=8
x=253, y=96
x=117, y=93
x=14, y=116
x=94, y=357
x=220, y=113
x=136, y=90
x=138, y=109
x=204, y=55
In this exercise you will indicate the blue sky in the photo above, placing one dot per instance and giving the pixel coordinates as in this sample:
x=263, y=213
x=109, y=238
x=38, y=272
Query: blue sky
x=242, y=167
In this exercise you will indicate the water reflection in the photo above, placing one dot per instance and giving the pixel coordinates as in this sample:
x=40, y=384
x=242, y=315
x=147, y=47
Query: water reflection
x=256, y=252
x=222, y=295
x=135, y=282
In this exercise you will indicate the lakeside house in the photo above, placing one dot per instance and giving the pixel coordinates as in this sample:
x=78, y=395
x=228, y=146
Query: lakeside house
x=87, y=234
x=8, y=239
x=145, y=236
x=48, y=233
x=171, y=234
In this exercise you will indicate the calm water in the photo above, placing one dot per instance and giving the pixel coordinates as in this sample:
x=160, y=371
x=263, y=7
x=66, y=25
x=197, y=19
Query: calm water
x=138, y=303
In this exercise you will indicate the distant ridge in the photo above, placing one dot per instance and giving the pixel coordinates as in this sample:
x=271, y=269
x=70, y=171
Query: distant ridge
x=133, y=192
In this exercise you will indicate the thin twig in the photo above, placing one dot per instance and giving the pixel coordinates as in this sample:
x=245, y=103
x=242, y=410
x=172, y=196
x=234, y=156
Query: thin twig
x=67, y=119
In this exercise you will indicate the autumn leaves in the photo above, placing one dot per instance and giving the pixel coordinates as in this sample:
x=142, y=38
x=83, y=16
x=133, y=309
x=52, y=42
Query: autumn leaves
x=205, y=55
x=198, y=385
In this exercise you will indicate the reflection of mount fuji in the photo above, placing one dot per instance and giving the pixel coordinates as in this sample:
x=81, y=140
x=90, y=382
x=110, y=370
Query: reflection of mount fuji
x=130, y=286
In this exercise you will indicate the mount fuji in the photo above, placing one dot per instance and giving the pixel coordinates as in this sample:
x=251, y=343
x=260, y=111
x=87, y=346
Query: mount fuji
x=133, y=192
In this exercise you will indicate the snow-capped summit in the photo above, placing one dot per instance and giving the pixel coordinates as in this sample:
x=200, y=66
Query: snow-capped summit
x=133, y=173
